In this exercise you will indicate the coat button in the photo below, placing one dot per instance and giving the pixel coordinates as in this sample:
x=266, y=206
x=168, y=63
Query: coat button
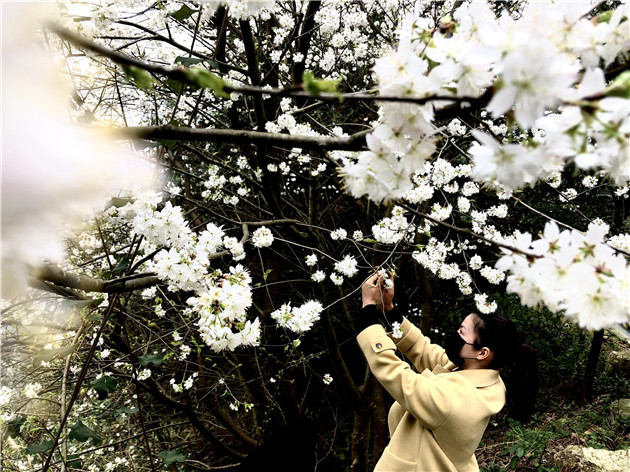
x=379, y=345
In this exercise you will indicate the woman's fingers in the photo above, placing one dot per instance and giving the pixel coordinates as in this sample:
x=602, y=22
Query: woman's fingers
x=371, y=280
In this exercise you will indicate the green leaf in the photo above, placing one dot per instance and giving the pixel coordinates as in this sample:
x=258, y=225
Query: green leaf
x=188, y=61
x=122, y=266
x=104, y=386
x=146, y=360
x=183, y=13
x=78, y=304
x=138, y=76
x=206, y=79
x=316, y=86
x=620, y=87
x=117, y=202
x=127, y=411
x=192, y=61
x=175, y=85
x=73, y=461
x=604, y=17
x=514, y=462
x=14, y=426
x=172, y=456
x=94, y=316
x=80, y=432
x=38, y=448
x=46, y=355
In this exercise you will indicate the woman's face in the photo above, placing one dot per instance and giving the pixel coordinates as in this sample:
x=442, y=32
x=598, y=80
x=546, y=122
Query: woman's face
x=467, y=332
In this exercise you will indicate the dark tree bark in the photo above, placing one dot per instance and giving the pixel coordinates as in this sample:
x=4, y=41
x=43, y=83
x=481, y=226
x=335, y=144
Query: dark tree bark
x=591, y=367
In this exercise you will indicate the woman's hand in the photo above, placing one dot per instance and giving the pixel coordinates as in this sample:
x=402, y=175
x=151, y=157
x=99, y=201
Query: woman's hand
x=375, y=291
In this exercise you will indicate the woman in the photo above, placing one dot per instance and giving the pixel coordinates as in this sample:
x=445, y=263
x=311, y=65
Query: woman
x=442, y=410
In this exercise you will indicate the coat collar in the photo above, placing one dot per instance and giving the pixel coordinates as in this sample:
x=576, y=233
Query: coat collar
x=478, y=377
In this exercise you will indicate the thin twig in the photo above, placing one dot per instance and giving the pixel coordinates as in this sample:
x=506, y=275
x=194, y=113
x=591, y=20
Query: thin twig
x=469, y=232
x=80, y=380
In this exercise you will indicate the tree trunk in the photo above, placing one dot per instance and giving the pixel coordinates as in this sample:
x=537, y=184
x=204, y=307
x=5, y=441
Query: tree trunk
x=426, y=297
x=379, y=419
x=359, y=441
x=591, y=367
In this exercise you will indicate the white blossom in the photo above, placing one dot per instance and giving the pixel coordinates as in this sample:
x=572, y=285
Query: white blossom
x=31, y=390
x=493, y=276
x=144, y=374
x=262, y=237
x=475, y=262
x=347, y=266
x=589, y=181
x=463, y=204
x=483, y=305
x=299, y=319
x=397, y=332
x=574, y=274
x=5, y=395
x=336, y=279
x=339, y=234
x=311, y=260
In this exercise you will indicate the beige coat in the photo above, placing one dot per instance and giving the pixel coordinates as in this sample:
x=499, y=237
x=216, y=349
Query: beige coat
x=439, y=416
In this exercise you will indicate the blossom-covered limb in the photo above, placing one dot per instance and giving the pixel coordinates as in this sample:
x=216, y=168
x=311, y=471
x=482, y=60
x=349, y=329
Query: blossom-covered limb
x=560, y=223
x=57, y=276
x=469, y=232
x=179, y=74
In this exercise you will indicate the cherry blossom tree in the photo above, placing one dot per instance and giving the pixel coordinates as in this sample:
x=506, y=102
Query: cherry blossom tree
x=297, y=148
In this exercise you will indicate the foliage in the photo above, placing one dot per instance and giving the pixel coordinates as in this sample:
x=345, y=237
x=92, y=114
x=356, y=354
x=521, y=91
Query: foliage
x=527, y=443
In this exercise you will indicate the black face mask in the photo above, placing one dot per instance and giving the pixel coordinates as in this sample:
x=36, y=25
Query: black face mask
x=453, y=346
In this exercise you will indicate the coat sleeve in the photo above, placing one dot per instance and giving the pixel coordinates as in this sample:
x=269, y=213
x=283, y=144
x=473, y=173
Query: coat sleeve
x=426, y=396
x=419, y=349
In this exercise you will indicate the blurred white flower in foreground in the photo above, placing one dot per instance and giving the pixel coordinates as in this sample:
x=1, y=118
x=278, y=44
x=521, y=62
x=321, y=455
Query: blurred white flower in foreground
x=53, y=173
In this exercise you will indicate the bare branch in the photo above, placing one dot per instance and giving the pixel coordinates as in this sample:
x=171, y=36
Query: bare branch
x=355, y=142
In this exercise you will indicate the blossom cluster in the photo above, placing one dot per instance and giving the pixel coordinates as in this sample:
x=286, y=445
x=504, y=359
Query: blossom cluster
x=262, y=237
x=347, y=266
x=240, y=9
x=392, y=229
x=298, y=319
x=573, y=273
x=545, y=58
x=222, y=306
x=221, y=299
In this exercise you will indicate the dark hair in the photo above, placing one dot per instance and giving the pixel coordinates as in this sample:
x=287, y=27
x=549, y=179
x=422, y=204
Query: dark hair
x=518, y=361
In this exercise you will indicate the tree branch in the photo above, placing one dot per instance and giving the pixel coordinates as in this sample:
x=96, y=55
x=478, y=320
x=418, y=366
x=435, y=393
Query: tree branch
x=469, y=232
x=180, y=75
x=304, y=41
x=50, y=274
x=355, y=142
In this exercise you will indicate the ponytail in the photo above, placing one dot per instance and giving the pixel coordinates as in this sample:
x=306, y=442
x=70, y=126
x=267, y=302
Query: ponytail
x=516, y=360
